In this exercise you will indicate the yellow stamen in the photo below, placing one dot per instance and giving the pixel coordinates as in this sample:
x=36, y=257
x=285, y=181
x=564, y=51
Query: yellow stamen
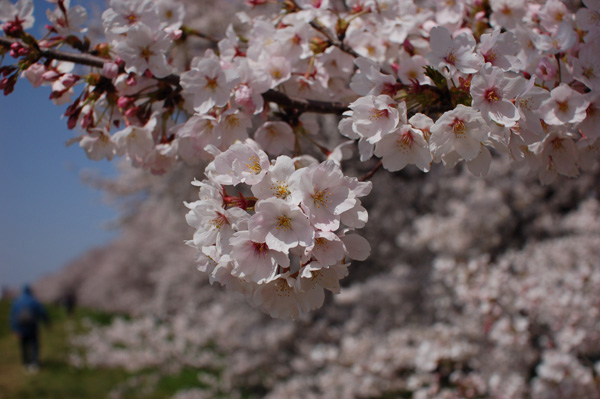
x=458, y=128
x=280, y=190
x=405, y=142
x=491, y=95
x=254, y=165
x=284, y=223
x=211, y=83
x=321, y=197
x=563, y=106
x=378, y=113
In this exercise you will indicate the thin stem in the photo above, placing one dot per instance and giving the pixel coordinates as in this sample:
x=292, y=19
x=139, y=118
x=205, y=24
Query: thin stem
x=303, y=105
x=193, y=32
x=83, y=59
x=306, y=136
x=330, y=37
x=559, y=73
x=372, y=172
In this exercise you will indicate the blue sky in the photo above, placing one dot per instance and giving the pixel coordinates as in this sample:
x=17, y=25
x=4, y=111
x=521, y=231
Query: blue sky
x=47, y=215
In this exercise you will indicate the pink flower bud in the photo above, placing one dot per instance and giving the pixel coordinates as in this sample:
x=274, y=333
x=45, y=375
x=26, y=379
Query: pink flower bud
x=408, y=47
x=124, y=102
x=13, y=28
x=56, y=94
x=50, y=76
x=131, y=80
x=480, y=16
x=72, y=121
x=243, y=96
x=7, y=70
x=175, y=34
x=546, y=69
x=110, y=70
x=9, y=86
x=73, y=108
x=131, y=112
x=34, y=74
x=87, y=119
x=68, y=79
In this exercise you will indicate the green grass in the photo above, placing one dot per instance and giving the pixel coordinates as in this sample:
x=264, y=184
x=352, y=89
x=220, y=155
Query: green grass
x=57, y=379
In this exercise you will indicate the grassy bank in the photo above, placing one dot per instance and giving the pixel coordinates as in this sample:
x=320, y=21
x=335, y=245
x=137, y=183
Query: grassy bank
x=57, y=379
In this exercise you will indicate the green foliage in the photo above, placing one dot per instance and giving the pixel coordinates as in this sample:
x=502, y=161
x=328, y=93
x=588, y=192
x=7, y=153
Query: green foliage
x=438, y=79
x=56, y=378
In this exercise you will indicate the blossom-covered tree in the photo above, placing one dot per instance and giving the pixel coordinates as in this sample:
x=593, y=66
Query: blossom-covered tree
x=411, y=82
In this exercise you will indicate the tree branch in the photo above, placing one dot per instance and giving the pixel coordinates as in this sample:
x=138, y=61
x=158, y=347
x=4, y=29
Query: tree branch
x=331, y=38
x=299, y=104
x=83, y=59
x=304, y=105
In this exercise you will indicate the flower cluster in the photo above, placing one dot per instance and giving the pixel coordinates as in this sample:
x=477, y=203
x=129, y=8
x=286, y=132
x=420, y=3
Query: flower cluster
x=288, y=239
x=499, y=99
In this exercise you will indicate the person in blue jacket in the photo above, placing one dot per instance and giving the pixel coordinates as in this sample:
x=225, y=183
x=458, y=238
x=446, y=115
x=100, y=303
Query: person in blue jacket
x=25, y=315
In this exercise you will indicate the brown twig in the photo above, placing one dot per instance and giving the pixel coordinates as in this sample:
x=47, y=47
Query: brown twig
x=304, y=105
x=372, y=172
x=193, y=32
x=331, y=38
x=83, y=59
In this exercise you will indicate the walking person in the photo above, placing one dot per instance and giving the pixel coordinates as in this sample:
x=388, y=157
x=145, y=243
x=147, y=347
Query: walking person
x=25, y=316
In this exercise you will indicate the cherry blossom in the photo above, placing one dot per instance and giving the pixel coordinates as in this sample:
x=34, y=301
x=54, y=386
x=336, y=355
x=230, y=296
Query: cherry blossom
x=500, y=50
x=280, y=225
x=255, y=261
x=144, y=49
x=462, y=130
x=136, y=141
x=585, y=66
x=589, y=126
x=124, y=15
x=455, y=54
x=493, y=91
x=565, y=105
x=275, y=137
x=276, y=182
x=208, y=83
x=402, y=147
x=70, y=22
x=588, y=18
x=17, y=16
x=372, y=117
x=98, y=145
x=241, y=163
x=507, y=13
x=213, y=223
x=324, y=194
x=558, y=154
